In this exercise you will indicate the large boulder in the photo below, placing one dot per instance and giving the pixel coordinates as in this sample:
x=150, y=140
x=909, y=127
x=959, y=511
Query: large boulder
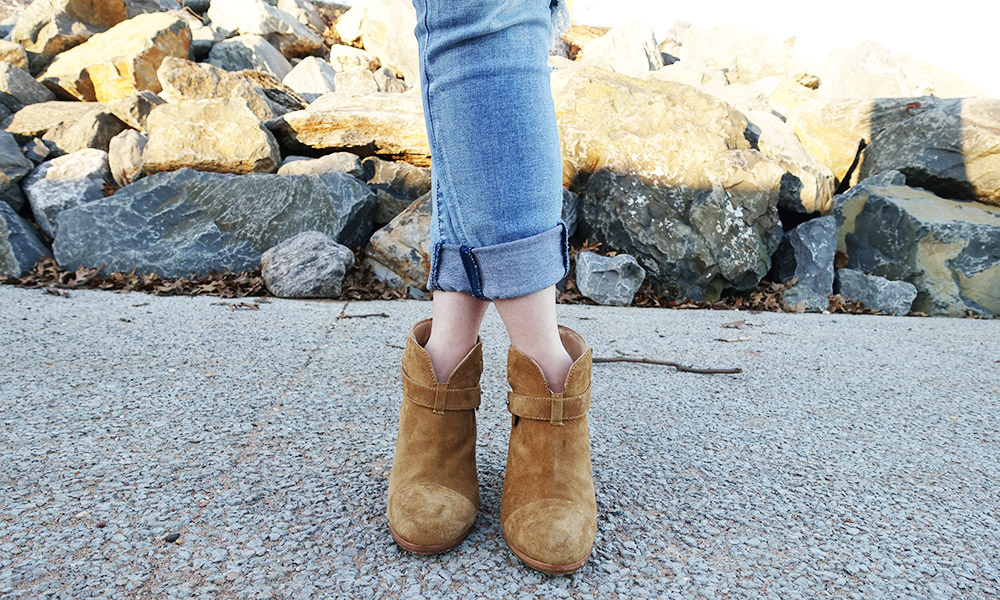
x=308, y=265
x=835, y=131
x=48, y=27
x=628, y=49
x=693, y=243
x=872, y=71
x=807, y=253
x=183, y=222
x=387, y=124
x=221, y=135
x=385, y=29
x=311, y=78
x=256, y=17
x=120, y=61
x=249, y=52
x=18, y=89
x=680, y=187
x=949, y=250
x=13, y=167
x=399, y=253
x=952, y=150
x=185, y=80
x=65, y=182
x=20, y=247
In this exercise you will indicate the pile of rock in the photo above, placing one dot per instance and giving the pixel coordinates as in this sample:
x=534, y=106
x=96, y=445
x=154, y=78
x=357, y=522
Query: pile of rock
x=141, y=136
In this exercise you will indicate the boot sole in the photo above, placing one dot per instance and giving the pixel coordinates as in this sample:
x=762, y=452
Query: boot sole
x=549, y=568
x=431, y=549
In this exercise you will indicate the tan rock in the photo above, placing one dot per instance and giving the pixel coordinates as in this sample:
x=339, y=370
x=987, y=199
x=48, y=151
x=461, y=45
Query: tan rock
x=221, y=135
x=134, y=110
x=92, y=130
x=578, y=36
x=185, y=80
x=666, y=133
x=257, y=17
x=628, y=49
x=120, y=61
x=48, y=27
x=347, y=58
x=385, y=28
x=399, y=253
x=388, y=124
x=125, y=156
x=834, y=131
x=35, y=119
x=13, y=53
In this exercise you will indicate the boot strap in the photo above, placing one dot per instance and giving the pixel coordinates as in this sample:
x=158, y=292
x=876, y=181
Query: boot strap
x=555, y=409
x=438, y=397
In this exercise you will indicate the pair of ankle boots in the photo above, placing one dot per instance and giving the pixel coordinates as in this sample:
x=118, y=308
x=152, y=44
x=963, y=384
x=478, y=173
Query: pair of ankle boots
x=548, y=511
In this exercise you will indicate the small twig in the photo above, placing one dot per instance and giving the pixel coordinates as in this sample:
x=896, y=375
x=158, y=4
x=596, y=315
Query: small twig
x=382, y=314
x=739, y=339
x=665, y=363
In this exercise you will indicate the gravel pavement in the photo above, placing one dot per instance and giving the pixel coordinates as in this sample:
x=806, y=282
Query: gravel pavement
x=855, y=456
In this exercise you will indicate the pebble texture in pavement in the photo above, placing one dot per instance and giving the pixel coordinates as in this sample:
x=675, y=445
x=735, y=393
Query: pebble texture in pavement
x=855, y=457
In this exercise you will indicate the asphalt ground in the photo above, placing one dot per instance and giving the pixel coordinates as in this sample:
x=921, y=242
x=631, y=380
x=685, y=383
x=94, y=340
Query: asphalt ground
x=854, y=457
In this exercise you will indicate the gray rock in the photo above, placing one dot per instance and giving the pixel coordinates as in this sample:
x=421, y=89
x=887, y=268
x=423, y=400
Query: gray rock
x=305, y=12
x=65, y=182
x=344, y=162
x=386, y=81
x=952, y=150
x=396, y=184
x=20, y=247
x=877, y=293
x=801, y=298
x=399, y=253
x=18, y=88
x=949, y=250
x=355, y=81
x=249, y=52
x=13, y=53
x=570, y=211
x=282, y=98
x=806, y=252
x=308, y=265
x=610, y=280
x=36, y=151
x=257, y=17
x=311, y=78
x=693, y=243
x=186, y=221
x=134, y=110
x=92, y=130
x=125, y=156
x=13, y=167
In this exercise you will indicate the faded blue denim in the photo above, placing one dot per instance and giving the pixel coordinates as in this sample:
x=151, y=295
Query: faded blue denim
x=496, y=168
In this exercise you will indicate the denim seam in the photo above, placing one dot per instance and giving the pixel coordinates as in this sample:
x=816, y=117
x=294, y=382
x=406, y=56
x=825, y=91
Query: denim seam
x=436, y=265
x=472, y=271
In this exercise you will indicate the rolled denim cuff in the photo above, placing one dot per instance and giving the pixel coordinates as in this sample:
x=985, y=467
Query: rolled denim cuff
x=506, y=270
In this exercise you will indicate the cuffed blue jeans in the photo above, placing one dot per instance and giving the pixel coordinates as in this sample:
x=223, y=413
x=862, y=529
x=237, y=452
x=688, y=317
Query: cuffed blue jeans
x=496, y=169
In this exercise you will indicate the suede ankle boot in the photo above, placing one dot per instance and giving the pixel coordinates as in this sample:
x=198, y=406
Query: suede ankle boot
x=433, y=486
x=549, y=512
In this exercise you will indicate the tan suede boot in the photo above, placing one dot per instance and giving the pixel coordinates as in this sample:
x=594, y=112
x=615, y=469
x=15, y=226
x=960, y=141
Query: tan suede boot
x=549, y=512
x=433, y=486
